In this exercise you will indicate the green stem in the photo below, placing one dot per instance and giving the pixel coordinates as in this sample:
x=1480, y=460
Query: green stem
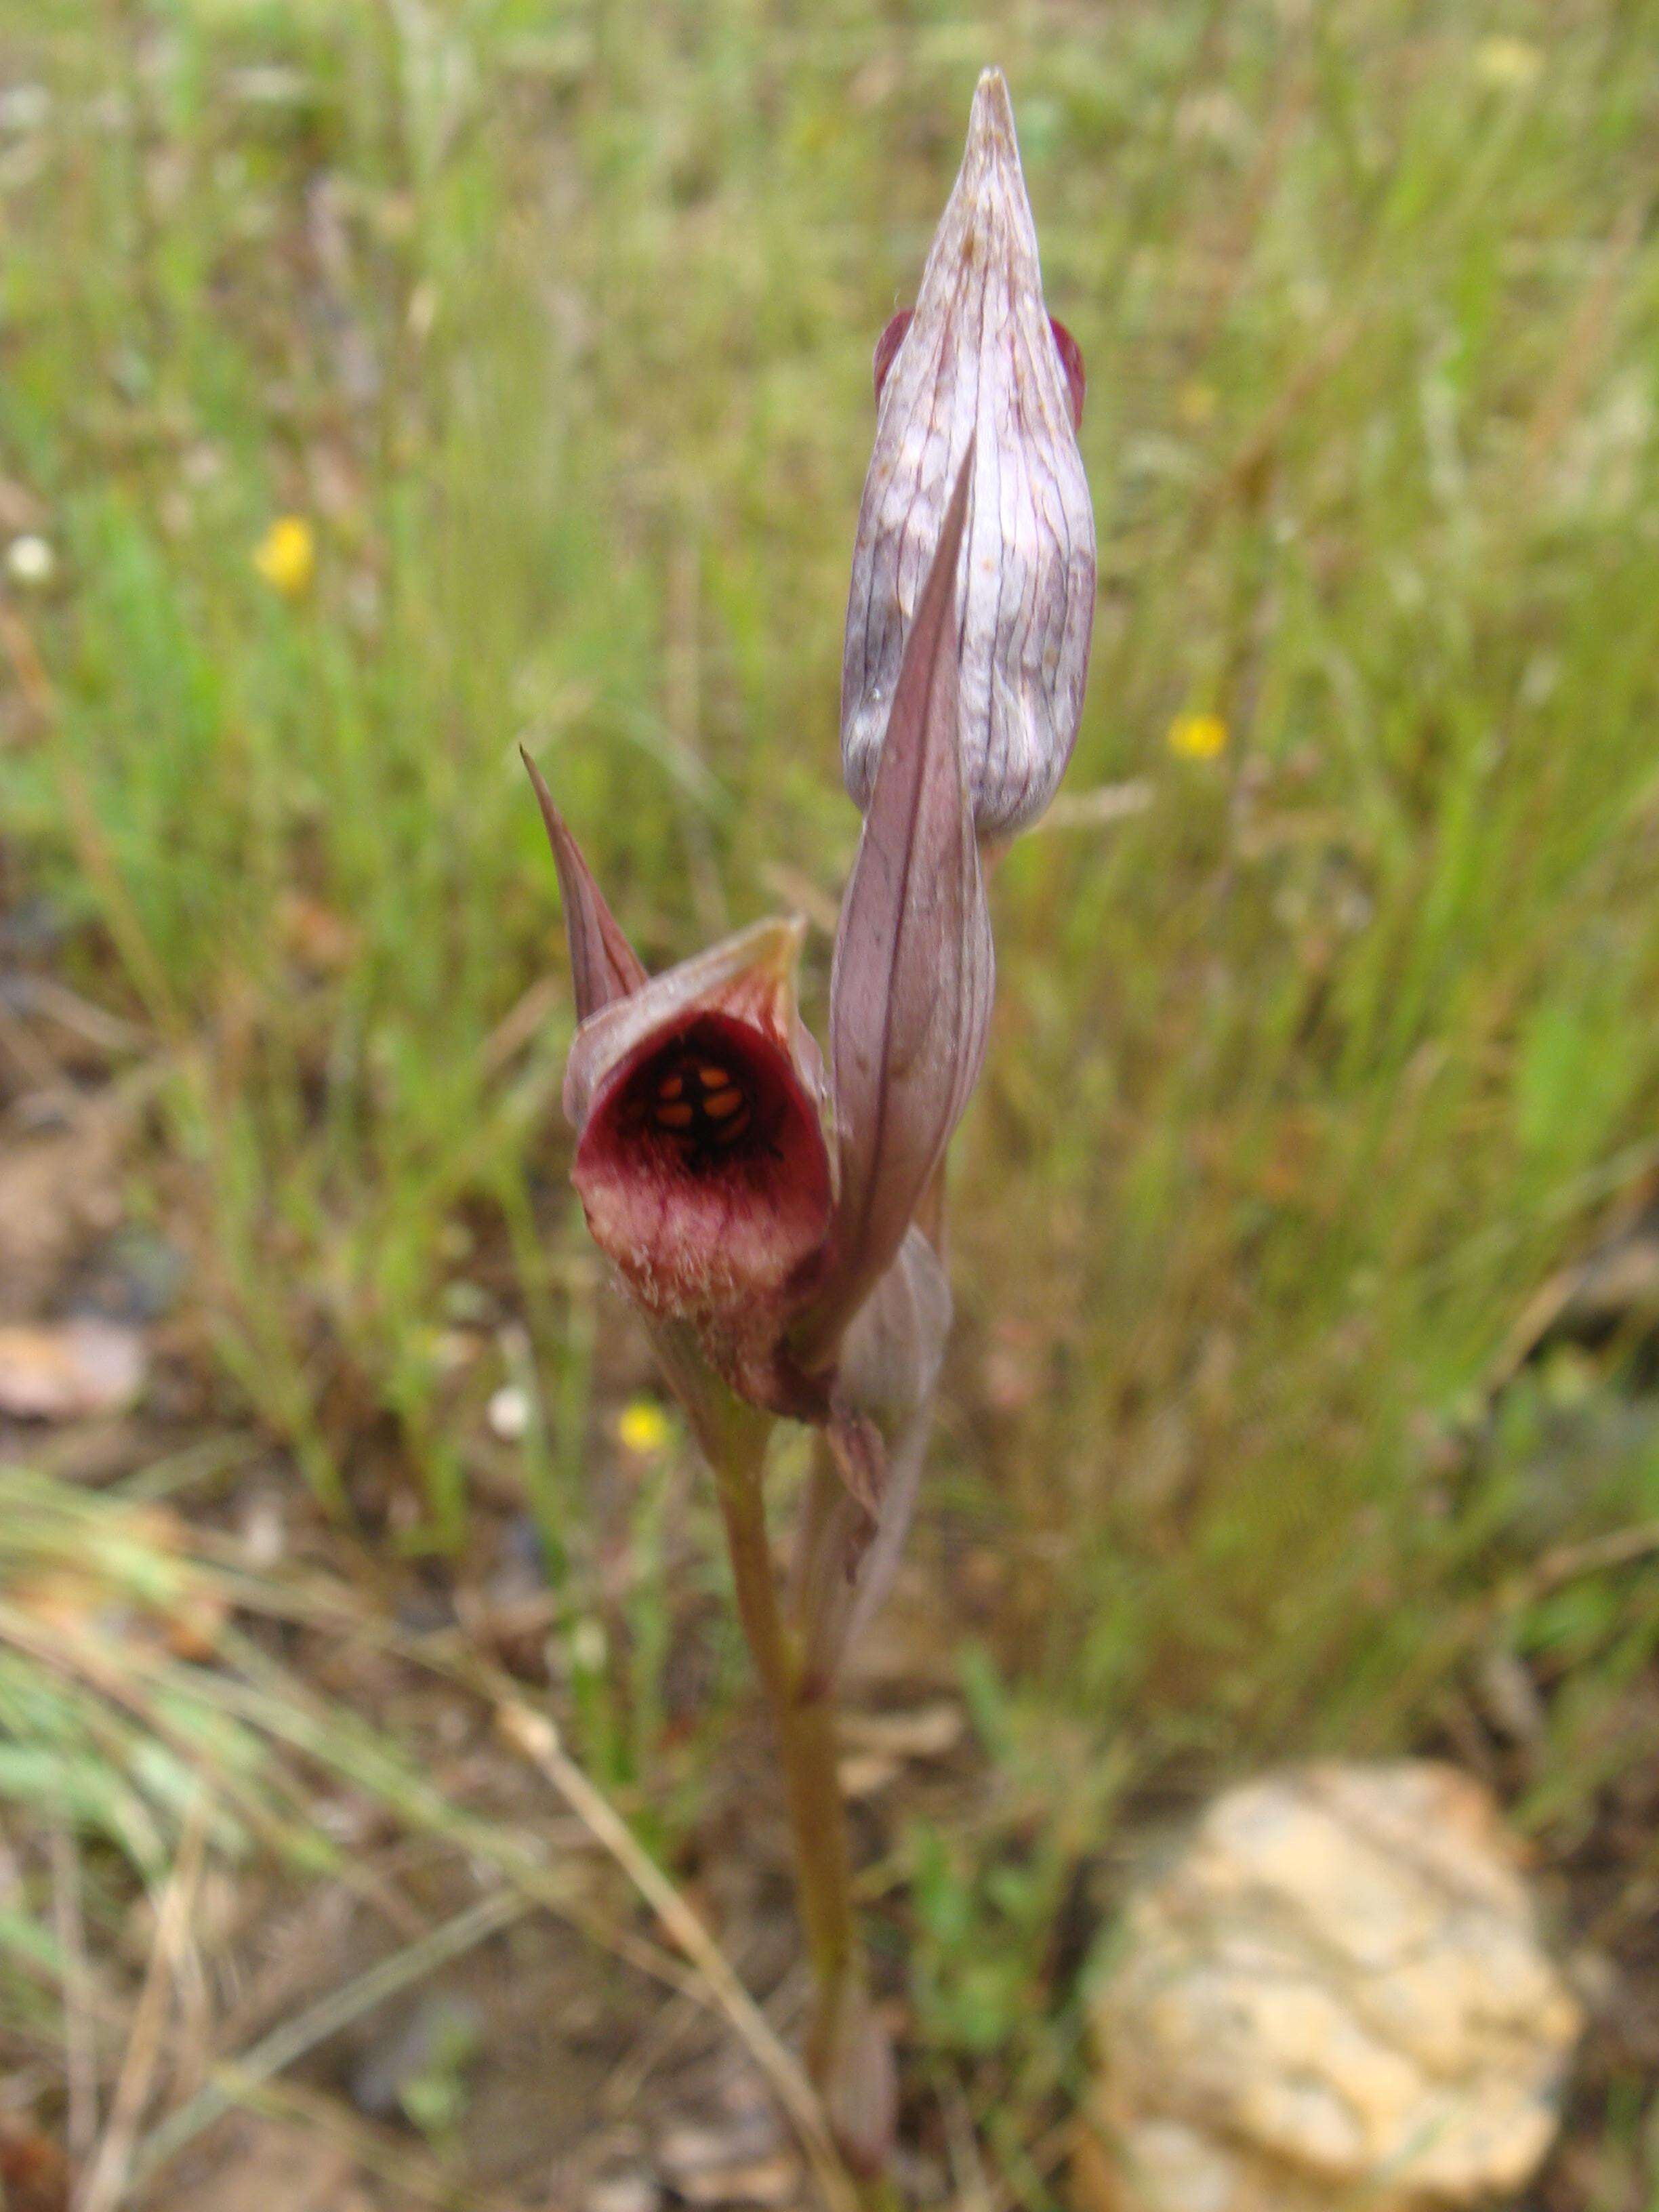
x=803, y=1724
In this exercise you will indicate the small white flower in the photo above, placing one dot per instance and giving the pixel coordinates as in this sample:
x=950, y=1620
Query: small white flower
x=30, y=562
x=508, y=1414
x=24, y=107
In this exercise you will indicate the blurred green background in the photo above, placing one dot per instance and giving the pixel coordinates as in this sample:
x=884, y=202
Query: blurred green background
x=1323, y=1040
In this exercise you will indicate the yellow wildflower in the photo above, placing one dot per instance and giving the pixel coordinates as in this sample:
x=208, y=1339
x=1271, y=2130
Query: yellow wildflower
x=643, y=1427
x=286, y=556
x=1198, y=737
x=1509, y=63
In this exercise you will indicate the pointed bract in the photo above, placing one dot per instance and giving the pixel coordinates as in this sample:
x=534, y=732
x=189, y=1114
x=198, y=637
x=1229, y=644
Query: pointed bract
x=978, y=361
x=891, y=1353
x=910, y=995
x=603, y=965
x=846, y=1554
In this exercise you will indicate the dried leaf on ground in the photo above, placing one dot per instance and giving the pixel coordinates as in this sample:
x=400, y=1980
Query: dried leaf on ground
x=57, y=1190
x=273, y=2165
x=70, y=1370
x=34, y=2173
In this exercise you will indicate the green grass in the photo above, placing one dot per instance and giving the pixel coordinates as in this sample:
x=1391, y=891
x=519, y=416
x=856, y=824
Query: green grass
x=555, y=321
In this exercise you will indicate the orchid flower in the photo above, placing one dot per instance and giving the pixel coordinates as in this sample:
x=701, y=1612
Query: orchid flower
x=747, y=1197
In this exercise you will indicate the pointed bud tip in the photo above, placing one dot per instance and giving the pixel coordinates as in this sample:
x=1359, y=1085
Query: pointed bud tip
x=991, y=119
x=990, y=200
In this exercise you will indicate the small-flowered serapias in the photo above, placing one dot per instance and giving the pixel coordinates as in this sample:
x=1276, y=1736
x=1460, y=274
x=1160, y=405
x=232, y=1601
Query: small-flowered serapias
x=775, y=1215
x=979, y=364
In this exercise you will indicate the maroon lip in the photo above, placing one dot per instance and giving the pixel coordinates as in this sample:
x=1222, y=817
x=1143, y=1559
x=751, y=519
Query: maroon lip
x=712, y=1098
x=703, y=1170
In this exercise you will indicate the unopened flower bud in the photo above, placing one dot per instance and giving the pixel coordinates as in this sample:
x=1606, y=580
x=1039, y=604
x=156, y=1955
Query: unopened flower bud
x=978, y=363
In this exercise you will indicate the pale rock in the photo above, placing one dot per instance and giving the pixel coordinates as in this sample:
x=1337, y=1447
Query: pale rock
x=1336, y=1987
x=627, y=2191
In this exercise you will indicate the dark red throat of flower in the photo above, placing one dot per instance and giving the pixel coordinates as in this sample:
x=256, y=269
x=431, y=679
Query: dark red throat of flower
x=703, y=1170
